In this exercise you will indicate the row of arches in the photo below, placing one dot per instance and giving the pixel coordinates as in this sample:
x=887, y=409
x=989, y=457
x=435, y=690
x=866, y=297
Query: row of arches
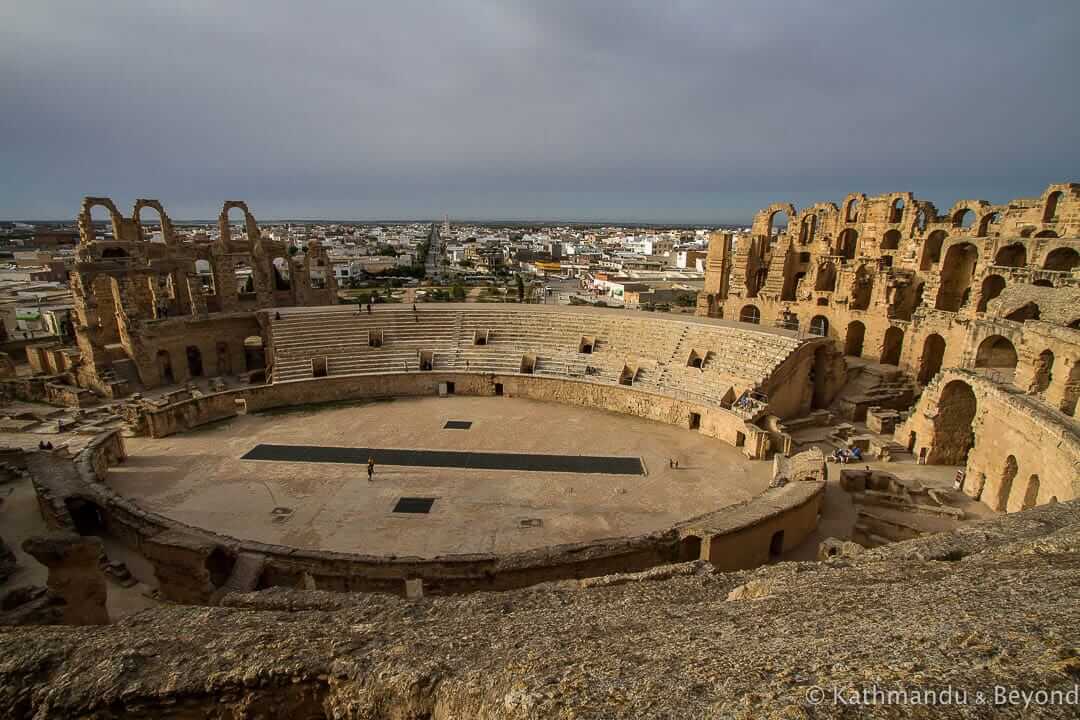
x=254, y=358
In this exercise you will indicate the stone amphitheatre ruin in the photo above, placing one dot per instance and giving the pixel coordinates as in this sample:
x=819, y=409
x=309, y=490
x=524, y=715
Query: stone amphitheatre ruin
x=527, y=547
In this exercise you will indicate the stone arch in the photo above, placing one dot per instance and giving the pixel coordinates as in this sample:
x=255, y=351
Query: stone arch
x=896, y=210
x=776, y=229
x=963, y=218
x=86, y=222
x=853, y=339
x=932, y=249
x=819, y=325
x=957, y=270
x=852, y=207
x=893, y=346
x=251, y=228
x=245, y=278
x=847, y=244
x=1062, y=259
x=164, y=368
x=953, y=434
x=1027, y=311
x=996, y=352
x=1004, y=488
x=1046, y=234
x=1044, y=371
x=1013, y=255
x=750, y=314
x=808, y=229
x=164, y=222
x=826, y=278
x=992, y=286
x=1050, y=209
x=933, y=355
x=890, y=240
x=988, y=219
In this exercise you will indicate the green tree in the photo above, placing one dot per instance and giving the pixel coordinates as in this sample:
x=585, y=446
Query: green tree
x=458, y=291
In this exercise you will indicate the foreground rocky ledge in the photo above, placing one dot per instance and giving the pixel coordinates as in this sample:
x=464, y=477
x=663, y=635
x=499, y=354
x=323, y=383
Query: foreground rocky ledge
x=993, y=604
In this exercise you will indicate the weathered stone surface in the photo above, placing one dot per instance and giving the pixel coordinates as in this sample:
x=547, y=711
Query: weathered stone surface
x=893, y=618
x=7, y=561
x=74, y=575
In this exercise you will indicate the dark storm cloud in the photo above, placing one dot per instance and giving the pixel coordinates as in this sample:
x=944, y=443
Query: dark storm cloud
x=666, y=110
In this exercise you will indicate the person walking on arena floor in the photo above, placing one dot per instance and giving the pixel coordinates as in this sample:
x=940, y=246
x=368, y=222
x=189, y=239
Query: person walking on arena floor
x=370, y=468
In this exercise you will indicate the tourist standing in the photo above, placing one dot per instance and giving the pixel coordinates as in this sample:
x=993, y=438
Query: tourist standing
x=370, y=468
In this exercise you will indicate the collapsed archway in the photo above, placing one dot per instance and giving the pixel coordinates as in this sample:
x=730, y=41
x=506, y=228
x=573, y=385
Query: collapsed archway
x=991, y=288
x=1062, y=259
x=953, y=433
x=956, y=274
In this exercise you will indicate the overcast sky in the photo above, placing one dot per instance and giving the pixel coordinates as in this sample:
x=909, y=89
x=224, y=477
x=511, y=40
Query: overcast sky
x=662, y=110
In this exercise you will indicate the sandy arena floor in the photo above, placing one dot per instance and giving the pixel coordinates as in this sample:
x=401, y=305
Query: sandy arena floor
x=199, y=478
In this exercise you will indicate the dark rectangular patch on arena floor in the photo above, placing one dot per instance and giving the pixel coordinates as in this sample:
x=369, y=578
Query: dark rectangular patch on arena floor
x=414, y=505
x=457, y=425
x=585, y=464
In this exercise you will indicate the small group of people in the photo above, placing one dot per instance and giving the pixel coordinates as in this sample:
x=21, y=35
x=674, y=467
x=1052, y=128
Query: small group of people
x=844, y=455
x=44, y=445
x=673, y=464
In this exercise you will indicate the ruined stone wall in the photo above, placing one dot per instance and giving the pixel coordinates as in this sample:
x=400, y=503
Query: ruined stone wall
x=124, y=284
x=1016, y=451
x=891, y=279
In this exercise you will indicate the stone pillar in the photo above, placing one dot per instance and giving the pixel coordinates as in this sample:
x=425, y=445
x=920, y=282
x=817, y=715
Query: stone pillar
x=74, y=575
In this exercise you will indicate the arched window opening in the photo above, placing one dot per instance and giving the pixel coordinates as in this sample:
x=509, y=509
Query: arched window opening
x=956, y=275
x=996, y=352
x=891, y=240
x=896, y=212
x=826, y=278
x=1062, y=259
x=847, y=244
x=991, y=288
x=986, y=221
x=750, y=314
x=1050, y=213
x=245, y=280
x=819, y=325
x=852, y=213
x=1014, y=255
x=932, y=249
x=963, y=218
x=205, y=275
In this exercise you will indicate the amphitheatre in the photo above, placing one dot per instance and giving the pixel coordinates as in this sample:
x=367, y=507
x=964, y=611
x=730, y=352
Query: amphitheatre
x=574, y=512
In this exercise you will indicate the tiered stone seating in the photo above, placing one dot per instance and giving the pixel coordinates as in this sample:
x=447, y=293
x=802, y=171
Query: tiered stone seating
x=735, y=357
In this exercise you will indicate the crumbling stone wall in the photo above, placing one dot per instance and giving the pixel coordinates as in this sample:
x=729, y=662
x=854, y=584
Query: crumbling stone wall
x=882, y=275
x=143, y=299
x=1016, y=452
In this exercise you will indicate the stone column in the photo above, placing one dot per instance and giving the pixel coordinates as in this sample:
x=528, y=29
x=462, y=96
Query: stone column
x=74, y=575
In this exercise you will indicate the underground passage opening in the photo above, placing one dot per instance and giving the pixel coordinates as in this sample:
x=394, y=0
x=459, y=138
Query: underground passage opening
x=219, y=564
x=776, y=545
x=689, y=548
x=498, y=389
x=695, y=420
x=86, y=516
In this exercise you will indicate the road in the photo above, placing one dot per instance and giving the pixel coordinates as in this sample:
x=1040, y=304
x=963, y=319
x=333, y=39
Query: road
x=434, y=265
